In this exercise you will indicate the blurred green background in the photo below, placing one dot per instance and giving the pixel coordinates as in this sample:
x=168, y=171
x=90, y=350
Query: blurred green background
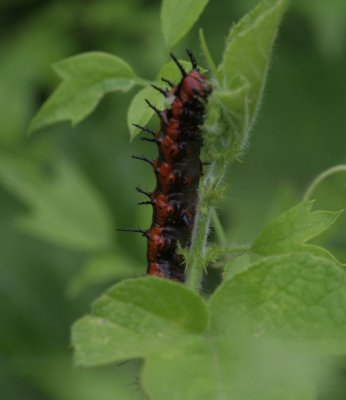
x=64, y=190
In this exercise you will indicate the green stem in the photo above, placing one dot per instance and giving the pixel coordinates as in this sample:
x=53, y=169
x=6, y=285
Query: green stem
x=210, y=191
x=320, y=178
x=219, y=231
x=196, y=259
x=198, y=251
x=195, y=265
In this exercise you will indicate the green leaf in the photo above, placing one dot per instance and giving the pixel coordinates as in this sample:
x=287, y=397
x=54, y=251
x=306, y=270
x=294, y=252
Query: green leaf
x=178, y=17
x=288, y=233
x=139, y=112
x=100, y=269
x=64, y=208
x=134, y=318
x=167, y=306
x=293, y=296
x=213, y=368
x=245, y=63
x=86, y=79
x=98, y=341
x=197, y=368
x=239, y=264
x=293, y=228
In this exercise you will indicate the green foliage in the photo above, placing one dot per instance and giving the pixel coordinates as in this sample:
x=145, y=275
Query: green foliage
x=212, y=368
x=139, y=112
x=272, y=327
x=244, y=68
x=292, y=229
x=123, y=326
x=268, y=295
x=291, y=316
x=292, y=304
x=231, y=109
x=178, y=17
x=293, y=296
x=288, y=233
x=64, y=207
x=86, y=79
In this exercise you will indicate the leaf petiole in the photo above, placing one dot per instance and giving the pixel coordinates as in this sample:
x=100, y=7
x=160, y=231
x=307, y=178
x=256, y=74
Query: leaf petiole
x=321, y=177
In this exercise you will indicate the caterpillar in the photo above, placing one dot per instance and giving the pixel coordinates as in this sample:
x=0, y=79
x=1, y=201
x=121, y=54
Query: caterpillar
x=177, y=169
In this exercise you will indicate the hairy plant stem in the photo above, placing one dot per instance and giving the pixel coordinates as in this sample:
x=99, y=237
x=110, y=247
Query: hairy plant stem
x=197, y=256
x=197, y=251
x=321, y=177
